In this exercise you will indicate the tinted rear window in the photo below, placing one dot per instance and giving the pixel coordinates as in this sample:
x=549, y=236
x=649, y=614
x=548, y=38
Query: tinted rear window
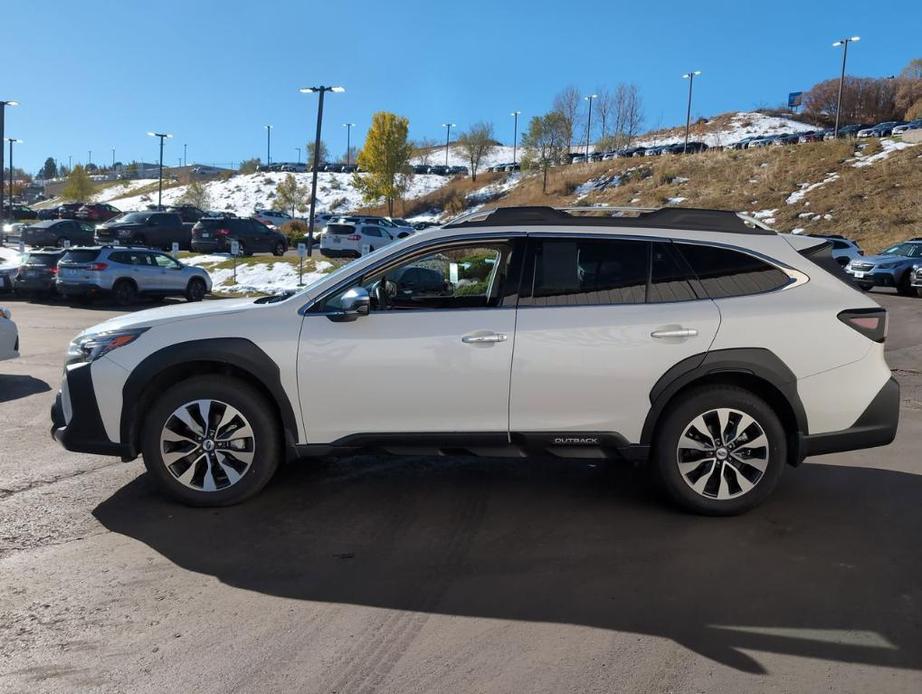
x=47, y=259
x=80, y=256
x=724, y=272
x=343, y=229
x=669, y=280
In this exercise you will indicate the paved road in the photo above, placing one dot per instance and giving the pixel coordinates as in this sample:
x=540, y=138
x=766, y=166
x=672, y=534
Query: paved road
x=451, y=575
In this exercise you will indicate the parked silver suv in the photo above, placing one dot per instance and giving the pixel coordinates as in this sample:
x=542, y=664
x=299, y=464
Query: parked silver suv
x=127, y=272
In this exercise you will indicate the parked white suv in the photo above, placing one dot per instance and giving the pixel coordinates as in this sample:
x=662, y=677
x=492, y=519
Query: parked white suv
x=716, y=350
x=354, y=239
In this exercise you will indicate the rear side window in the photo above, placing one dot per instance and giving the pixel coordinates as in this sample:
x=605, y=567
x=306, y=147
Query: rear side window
x=669, y=280
x=724, y=272
x=80, y=256
x=574, y=272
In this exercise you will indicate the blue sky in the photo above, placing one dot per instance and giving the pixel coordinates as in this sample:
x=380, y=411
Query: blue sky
x=97, y=74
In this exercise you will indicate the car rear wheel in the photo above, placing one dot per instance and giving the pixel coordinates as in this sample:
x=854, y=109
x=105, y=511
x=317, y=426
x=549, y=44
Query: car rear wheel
x=279, y=249
x=125, y=292
x=211, y=441
x=904, y=286
x=720, y=450
x=195, y=290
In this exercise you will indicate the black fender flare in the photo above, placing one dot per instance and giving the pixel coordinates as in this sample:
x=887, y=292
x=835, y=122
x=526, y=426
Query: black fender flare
x=236, y=352
x=747, y=361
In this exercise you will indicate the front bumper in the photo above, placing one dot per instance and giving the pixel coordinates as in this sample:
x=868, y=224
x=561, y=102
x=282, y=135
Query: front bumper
x=83, y=432
x=875, y=427
x=879, y=278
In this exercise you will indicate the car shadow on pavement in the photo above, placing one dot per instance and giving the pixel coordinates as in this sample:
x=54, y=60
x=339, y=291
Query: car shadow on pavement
x=829, y=568
x=13, y=387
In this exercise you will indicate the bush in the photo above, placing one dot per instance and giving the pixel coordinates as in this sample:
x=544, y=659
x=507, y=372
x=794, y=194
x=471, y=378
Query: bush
x=295, y=230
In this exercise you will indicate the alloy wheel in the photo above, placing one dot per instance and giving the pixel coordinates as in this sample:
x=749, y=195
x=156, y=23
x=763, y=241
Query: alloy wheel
x=722, y=454
x=207, y=445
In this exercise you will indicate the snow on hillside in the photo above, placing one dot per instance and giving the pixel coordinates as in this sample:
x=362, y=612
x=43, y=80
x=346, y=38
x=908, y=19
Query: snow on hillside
x=243, y=193
x=501, y=154
x=122, y=189
x=740, y=125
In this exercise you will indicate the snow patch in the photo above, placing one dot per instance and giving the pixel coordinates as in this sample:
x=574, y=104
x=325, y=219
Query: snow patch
x=889, y=147
x=805, y=188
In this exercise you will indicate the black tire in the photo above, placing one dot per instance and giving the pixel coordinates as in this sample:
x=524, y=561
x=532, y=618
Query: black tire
x=196, y=289
x=125, y=292
x=865, y=287
x=279, y=249
x=903, y=287
x=728, y=470
x=265, y=444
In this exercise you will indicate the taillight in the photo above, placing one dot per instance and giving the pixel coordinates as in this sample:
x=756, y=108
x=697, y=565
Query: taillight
x=53, y=270
x=870, y=322
x=355, y=237
x=98, y=267
x=221, y=232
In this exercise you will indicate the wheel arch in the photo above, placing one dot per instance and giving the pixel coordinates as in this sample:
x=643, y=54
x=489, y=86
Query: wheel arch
x=754, y=369
x=232, y=357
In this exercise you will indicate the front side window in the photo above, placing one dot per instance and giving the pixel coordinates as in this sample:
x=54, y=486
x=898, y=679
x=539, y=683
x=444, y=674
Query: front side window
x=165, y=261
x=724, y=272
x=452, y=277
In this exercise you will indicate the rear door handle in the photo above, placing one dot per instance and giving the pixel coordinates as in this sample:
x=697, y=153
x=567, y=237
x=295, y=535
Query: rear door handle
x=680, y=332
x=483, y=339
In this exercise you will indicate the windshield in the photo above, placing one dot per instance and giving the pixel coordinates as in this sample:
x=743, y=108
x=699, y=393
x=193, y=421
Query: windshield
x=907, y=250
x=132, y=218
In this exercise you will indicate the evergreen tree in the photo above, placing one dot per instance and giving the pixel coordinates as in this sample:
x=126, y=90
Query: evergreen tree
x=50, y=169
x=385, y=159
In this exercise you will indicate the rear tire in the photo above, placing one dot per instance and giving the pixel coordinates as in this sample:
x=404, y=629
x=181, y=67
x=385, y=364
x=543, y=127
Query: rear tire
x=279, y=249
x=903, y=287
x=125, y=292
x=195, y=290
x=244, y=449
x=703, y=453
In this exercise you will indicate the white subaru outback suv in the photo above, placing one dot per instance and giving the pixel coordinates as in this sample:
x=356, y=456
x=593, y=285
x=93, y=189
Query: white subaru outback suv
x=715, y=349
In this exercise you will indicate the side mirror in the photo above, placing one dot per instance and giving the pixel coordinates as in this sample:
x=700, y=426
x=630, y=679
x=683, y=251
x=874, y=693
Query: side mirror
x=355, y=303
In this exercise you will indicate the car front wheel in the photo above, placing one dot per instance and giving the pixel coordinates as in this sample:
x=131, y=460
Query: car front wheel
x=279, y=249
x=720, y=450
x=211, y=441
x=195, y=290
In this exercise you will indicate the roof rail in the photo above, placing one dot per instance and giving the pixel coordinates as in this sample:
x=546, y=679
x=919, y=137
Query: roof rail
x=726, y=221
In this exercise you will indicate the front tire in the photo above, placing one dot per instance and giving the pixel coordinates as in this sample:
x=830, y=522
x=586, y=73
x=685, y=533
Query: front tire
x=195, y=290
x=125, y=292
x=903, y=287
x=211, y=441
x=719, y=451
x=279, y=249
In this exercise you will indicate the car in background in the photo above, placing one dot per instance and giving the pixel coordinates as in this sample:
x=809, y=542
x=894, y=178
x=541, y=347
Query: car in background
x=38, y=271
x=759, y=142
x=881, y=129
x=906, y=127
x=892, y=267
x=146, y=228
x=274, y=218
x=97, y=212
x=439, y=170
x=786, y=139
x=214, y=235
x=843, y=250
x=68, y=210
x=396, y=230
x=55, y=232
x=420, y=168
x=458, y=170
x=126, y=273
x=9, y=335
x=813, y=136
x=351, y=239
x=846, y=131
x=187, y=213
x=419, y=226
x=18, y=212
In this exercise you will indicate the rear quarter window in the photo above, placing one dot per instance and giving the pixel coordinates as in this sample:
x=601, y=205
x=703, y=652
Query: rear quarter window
x=724, y=272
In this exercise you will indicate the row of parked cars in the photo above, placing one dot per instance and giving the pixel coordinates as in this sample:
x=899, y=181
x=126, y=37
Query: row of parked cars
x=290, y=167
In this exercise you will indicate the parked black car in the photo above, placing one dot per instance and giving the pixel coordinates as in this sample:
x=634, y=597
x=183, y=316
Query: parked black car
x=54, y=232
x=153, y=229
x=187, y=213
x=18, y=213
x=210, y=235
x=37, y=272
x=439, y=170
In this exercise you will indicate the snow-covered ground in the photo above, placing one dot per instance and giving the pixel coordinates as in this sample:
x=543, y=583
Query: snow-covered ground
x=122, y=189
x=243, y=193
x=501, y=154
x=270, y=277
x=889, y=147
x=743, y=124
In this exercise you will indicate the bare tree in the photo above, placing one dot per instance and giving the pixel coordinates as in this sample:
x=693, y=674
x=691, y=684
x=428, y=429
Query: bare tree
x=476, y=143
x=628, y=112
x=567, y=103
x=424, y=149
x=605, y=107
x=546, y=142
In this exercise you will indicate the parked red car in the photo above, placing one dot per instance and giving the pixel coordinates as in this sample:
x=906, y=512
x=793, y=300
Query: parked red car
x=97, y=212
x=68, y=210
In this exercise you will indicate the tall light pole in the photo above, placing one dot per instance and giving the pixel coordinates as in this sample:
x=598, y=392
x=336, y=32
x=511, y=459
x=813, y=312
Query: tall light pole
x=89, y=157
x=449, y=126
x=690, y=76
x=3, y=105
x=299, y=154
x=844, y=43
x=11, y=140
x=348, y=127
x=162, y=137
x=113, y=158
x=316, y=90
x=184, y=154
x=515, y=134
x=589, y=123
x=268, y=145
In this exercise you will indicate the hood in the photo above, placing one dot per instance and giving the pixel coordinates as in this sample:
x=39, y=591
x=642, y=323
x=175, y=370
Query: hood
x=171, y=314
x=878, y=259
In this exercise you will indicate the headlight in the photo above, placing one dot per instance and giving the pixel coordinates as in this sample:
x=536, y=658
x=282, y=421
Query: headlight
x=89, y=348
x=888, y=266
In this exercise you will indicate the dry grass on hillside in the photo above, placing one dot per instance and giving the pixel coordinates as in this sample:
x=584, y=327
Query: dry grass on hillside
x=450, y=197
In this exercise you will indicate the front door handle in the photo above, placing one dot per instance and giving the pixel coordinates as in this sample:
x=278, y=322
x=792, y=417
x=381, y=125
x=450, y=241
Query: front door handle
x=483, y=338
x=679, y=332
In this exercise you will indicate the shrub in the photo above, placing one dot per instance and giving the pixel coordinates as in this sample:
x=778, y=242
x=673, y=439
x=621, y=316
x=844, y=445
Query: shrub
x=295, y=231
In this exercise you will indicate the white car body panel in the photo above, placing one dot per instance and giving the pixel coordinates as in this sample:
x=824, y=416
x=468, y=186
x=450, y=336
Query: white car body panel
x=9, y=335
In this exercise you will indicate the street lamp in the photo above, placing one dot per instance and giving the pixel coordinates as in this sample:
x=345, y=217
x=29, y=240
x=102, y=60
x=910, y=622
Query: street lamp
x=844, y=43
x=316, y=90
x=589, y=122
x=162, y=137
x=11, y=140
x=348, y=127
x=299, y=154
x=113, y=158
x=3, y=105
x=449, y=126
x=515, y=135
x=89, y=158
x=268, y=145
x=690, y=76
x=184, y=154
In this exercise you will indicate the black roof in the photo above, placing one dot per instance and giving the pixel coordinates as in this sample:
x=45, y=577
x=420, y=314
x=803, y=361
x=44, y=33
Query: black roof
x=665, y=218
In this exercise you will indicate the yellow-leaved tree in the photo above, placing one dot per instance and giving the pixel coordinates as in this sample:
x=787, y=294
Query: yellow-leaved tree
x=78, y=187
x=385, y=160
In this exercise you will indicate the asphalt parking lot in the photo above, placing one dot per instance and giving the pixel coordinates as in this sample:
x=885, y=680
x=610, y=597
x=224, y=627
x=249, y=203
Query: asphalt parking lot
x=418, y=575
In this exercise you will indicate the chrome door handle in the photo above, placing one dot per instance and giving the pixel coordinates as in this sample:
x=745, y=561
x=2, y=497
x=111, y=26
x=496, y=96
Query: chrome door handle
x=481, y=339
x=681, y=332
